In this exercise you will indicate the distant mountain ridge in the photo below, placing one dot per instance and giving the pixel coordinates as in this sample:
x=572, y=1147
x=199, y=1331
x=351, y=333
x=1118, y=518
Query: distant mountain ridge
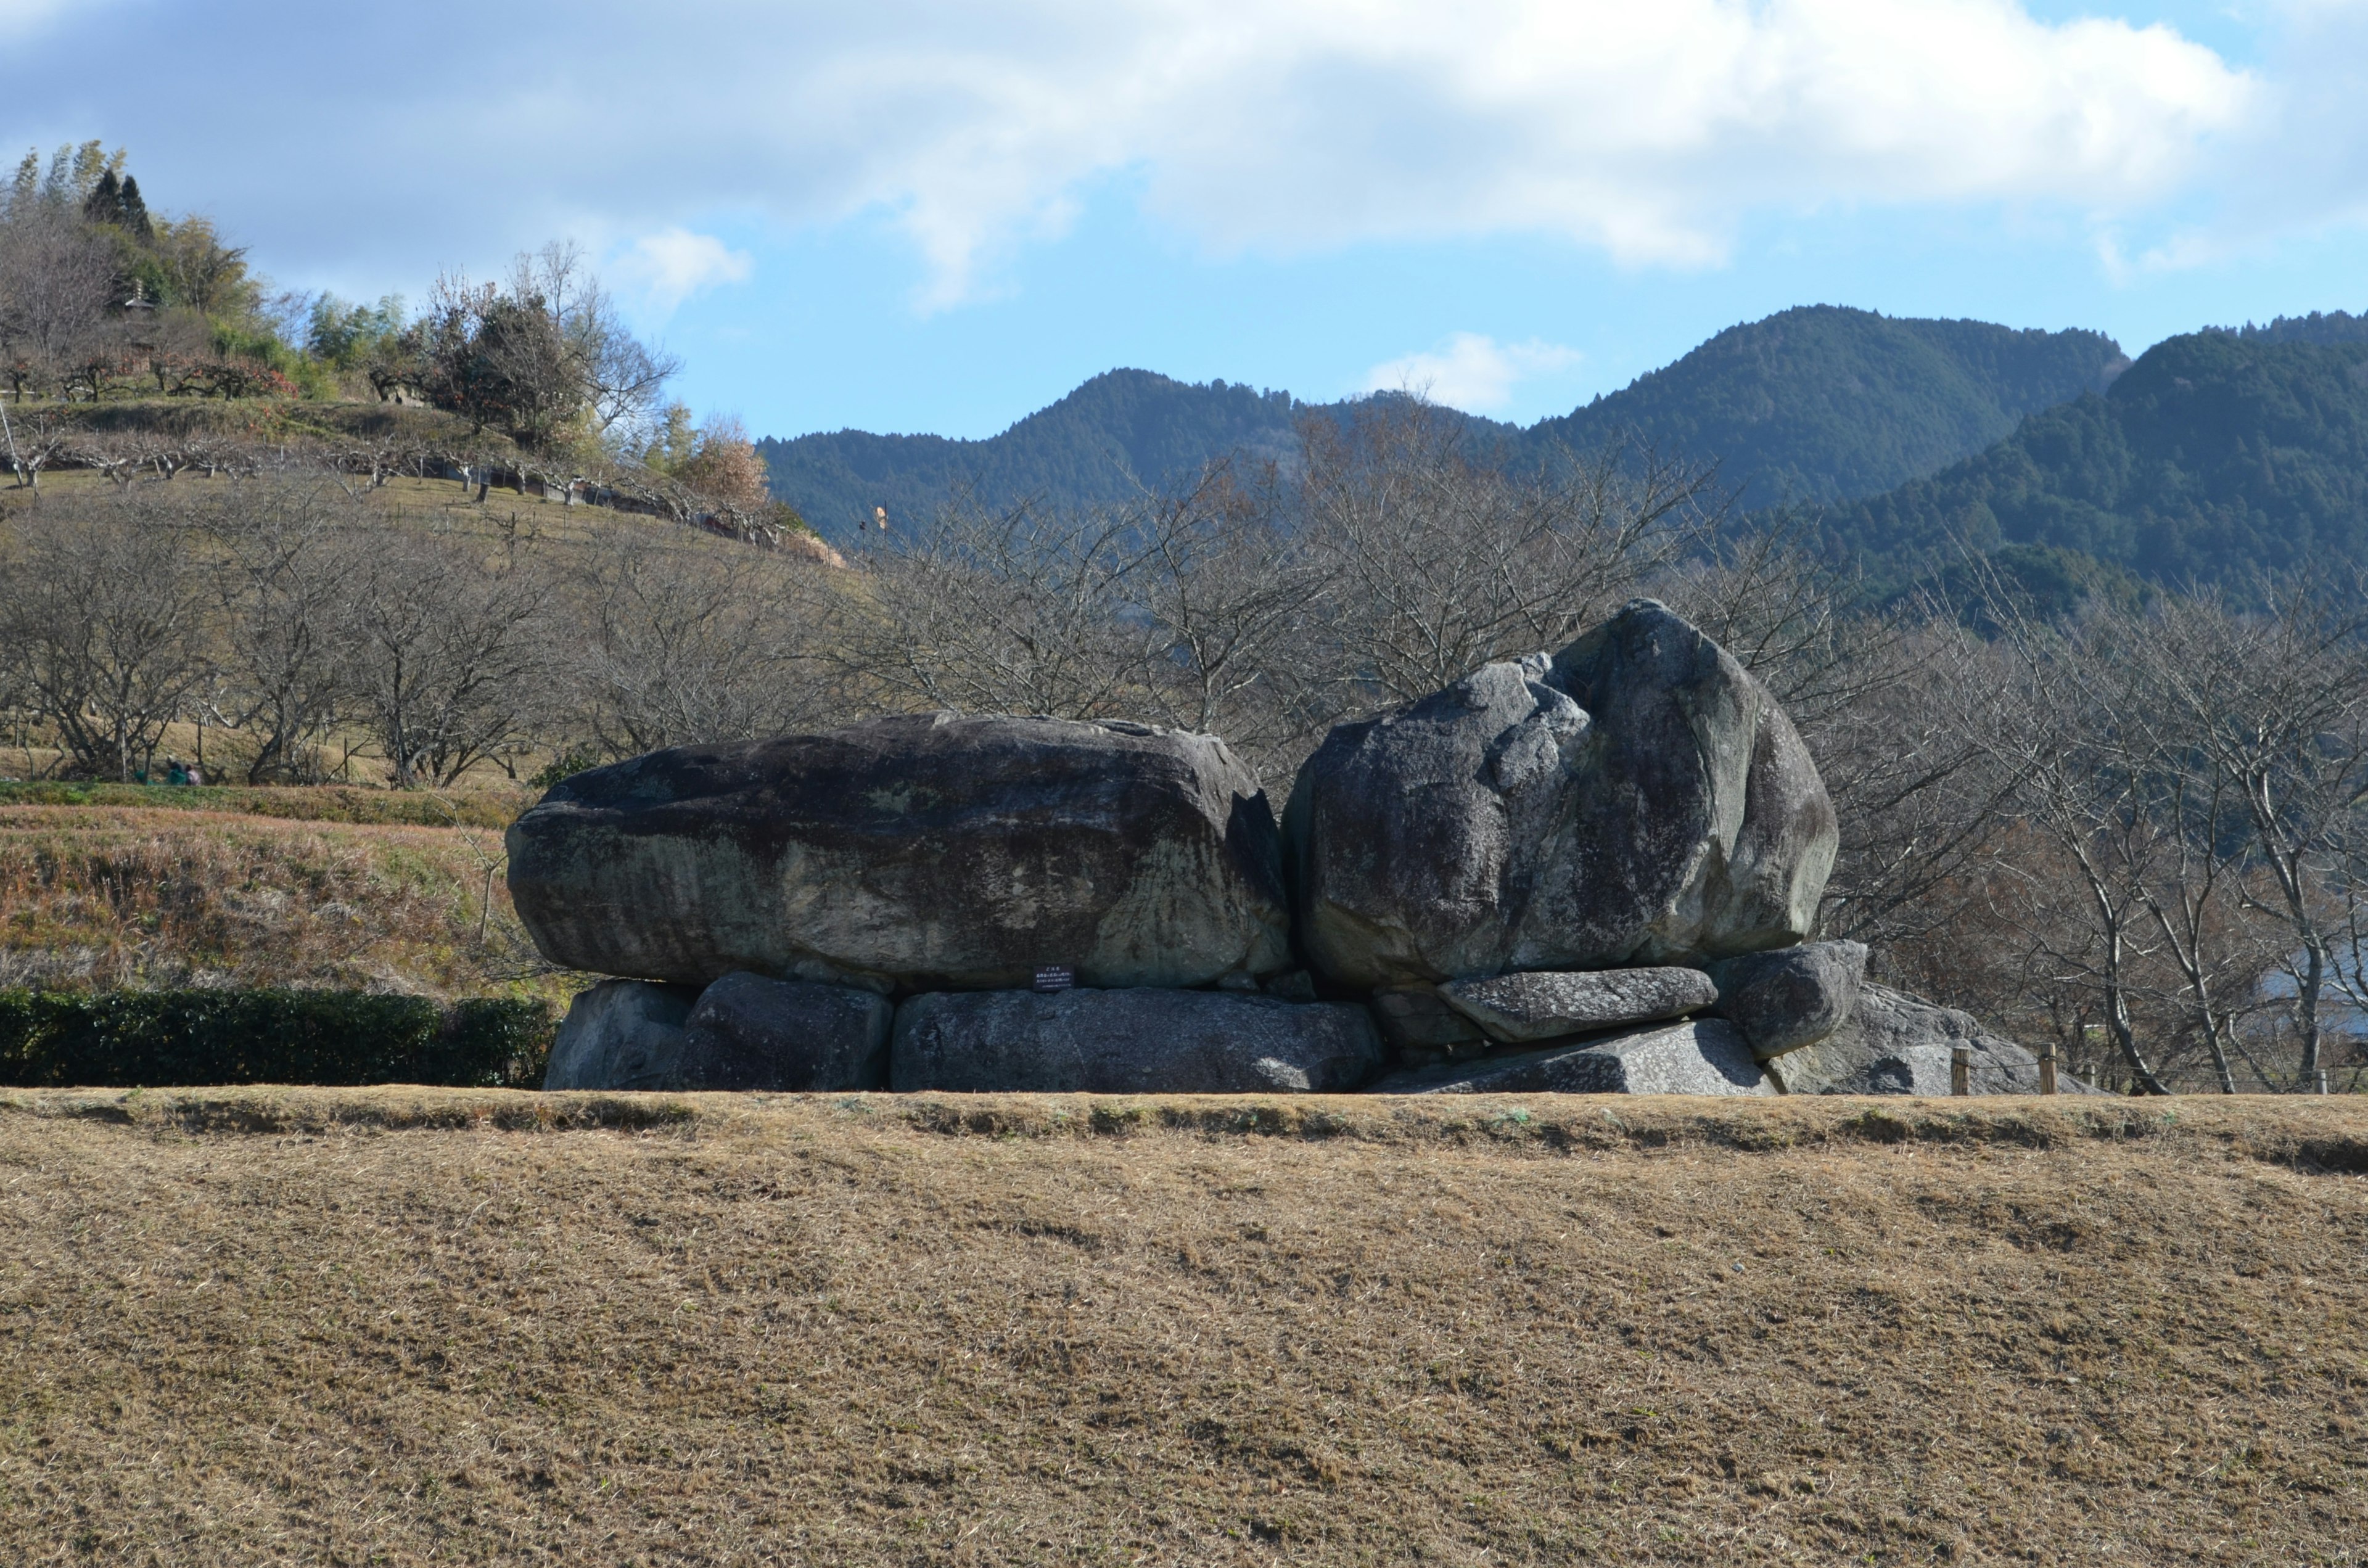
x=2218, y=454
x=1820, y=404
x=1823, y=404
x=1115, y=434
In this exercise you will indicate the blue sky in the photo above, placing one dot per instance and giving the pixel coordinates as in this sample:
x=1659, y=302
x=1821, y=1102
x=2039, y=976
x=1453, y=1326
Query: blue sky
x=931, y=215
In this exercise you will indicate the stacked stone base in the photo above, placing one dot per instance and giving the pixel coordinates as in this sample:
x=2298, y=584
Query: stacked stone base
x=1543, y=1032
x=749, y=1032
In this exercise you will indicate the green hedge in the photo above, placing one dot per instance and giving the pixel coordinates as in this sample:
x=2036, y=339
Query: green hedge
x=162, y=1038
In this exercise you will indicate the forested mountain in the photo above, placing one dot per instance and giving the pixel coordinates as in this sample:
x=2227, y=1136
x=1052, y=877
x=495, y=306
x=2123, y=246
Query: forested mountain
x=1819, y=404
x=1118, y=432
x=2216, y=455
x=1823, y=403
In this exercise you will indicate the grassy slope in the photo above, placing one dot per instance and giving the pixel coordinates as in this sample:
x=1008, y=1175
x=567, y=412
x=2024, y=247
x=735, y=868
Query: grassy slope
x=402, y=1326
x=107, y=895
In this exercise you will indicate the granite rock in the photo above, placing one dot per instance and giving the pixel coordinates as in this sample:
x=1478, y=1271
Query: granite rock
x=1536, y=1005
x=1136, y=1042
x=1894, y=1043
x=1791, y=997
x=621, y=1034
x=921, y=852
x=1636, y=798
x=749, y=1032
x=1704, y=1058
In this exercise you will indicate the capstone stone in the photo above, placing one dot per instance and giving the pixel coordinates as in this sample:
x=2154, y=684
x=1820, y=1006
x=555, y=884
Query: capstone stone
x=925, y=852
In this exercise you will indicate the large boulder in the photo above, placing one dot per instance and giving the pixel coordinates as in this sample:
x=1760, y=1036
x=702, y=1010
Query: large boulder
x=1791, y=997
x=1130, y=1042
x=1538, y=1004
x=749, y=1032
x=1894, y=1043
x=930, y=852
x=621, y=1034
x=1705, y=1058
x=1636, y=798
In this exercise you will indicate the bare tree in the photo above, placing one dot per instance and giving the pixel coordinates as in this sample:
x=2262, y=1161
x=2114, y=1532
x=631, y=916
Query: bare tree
x=2275, y=705
x=1441, y=557
x=682, y=645
x=443, y=652
x=282, y=586
x=104, y=621
x=2062, y=723
x=57, y=277
x=1233, y=597
x=1010, y=612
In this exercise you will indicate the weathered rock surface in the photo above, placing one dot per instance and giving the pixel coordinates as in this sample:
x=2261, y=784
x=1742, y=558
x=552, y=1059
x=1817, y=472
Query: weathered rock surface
x=1134, y=1042
x=1705, y=1058
x=930, y=852
x=1418, y=1018
x=1537, y=1005
x=748, y=1032
x=1791, y=997
x=621, y=1034
x=1637, y=799
x=1894, y=1043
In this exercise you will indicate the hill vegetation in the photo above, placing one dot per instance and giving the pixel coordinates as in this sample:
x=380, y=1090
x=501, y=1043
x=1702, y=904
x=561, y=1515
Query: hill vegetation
x=407, y=1326
x=113, y=320
x=1823, y=404
x=1812, y=405
x=2216, y=456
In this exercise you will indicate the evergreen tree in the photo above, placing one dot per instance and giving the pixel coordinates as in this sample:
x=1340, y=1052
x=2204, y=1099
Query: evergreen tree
x=134, y=211
x=105, y=202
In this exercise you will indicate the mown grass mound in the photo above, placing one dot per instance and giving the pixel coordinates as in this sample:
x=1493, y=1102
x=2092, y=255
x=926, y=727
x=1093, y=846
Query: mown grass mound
x=403, y=1325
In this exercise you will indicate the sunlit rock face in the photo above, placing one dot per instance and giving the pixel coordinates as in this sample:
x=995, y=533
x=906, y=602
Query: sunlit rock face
x=1636, y=798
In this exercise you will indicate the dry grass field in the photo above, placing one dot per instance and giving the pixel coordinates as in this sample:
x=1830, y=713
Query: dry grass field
x=414, y=1326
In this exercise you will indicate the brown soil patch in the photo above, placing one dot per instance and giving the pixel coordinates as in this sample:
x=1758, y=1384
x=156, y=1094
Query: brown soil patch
x=252, y=1326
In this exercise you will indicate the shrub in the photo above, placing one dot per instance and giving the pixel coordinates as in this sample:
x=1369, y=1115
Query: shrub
x=162, y=1039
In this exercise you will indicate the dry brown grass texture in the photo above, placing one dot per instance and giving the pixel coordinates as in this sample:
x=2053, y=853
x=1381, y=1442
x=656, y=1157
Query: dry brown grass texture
x=106, y=896
x=406, y=1326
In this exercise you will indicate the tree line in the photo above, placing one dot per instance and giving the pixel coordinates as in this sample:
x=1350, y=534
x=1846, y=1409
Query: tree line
x=2136, y=828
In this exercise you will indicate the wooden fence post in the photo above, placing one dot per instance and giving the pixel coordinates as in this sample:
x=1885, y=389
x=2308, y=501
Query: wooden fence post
x=1960, y=1070
x=2047, y=1068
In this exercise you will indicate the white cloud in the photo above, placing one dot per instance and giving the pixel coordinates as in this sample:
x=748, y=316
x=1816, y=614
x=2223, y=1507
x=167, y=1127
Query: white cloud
x=669, y=266
x=1648, y=131
x=1470, y=371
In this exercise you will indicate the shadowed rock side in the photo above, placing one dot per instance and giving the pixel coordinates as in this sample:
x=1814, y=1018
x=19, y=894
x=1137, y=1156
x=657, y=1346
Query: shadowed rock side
x=930, y=852
x=1791, y=997
x=1139, y=1042
x=621, y=1034
x=748, y=1032
x=1636, y=798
